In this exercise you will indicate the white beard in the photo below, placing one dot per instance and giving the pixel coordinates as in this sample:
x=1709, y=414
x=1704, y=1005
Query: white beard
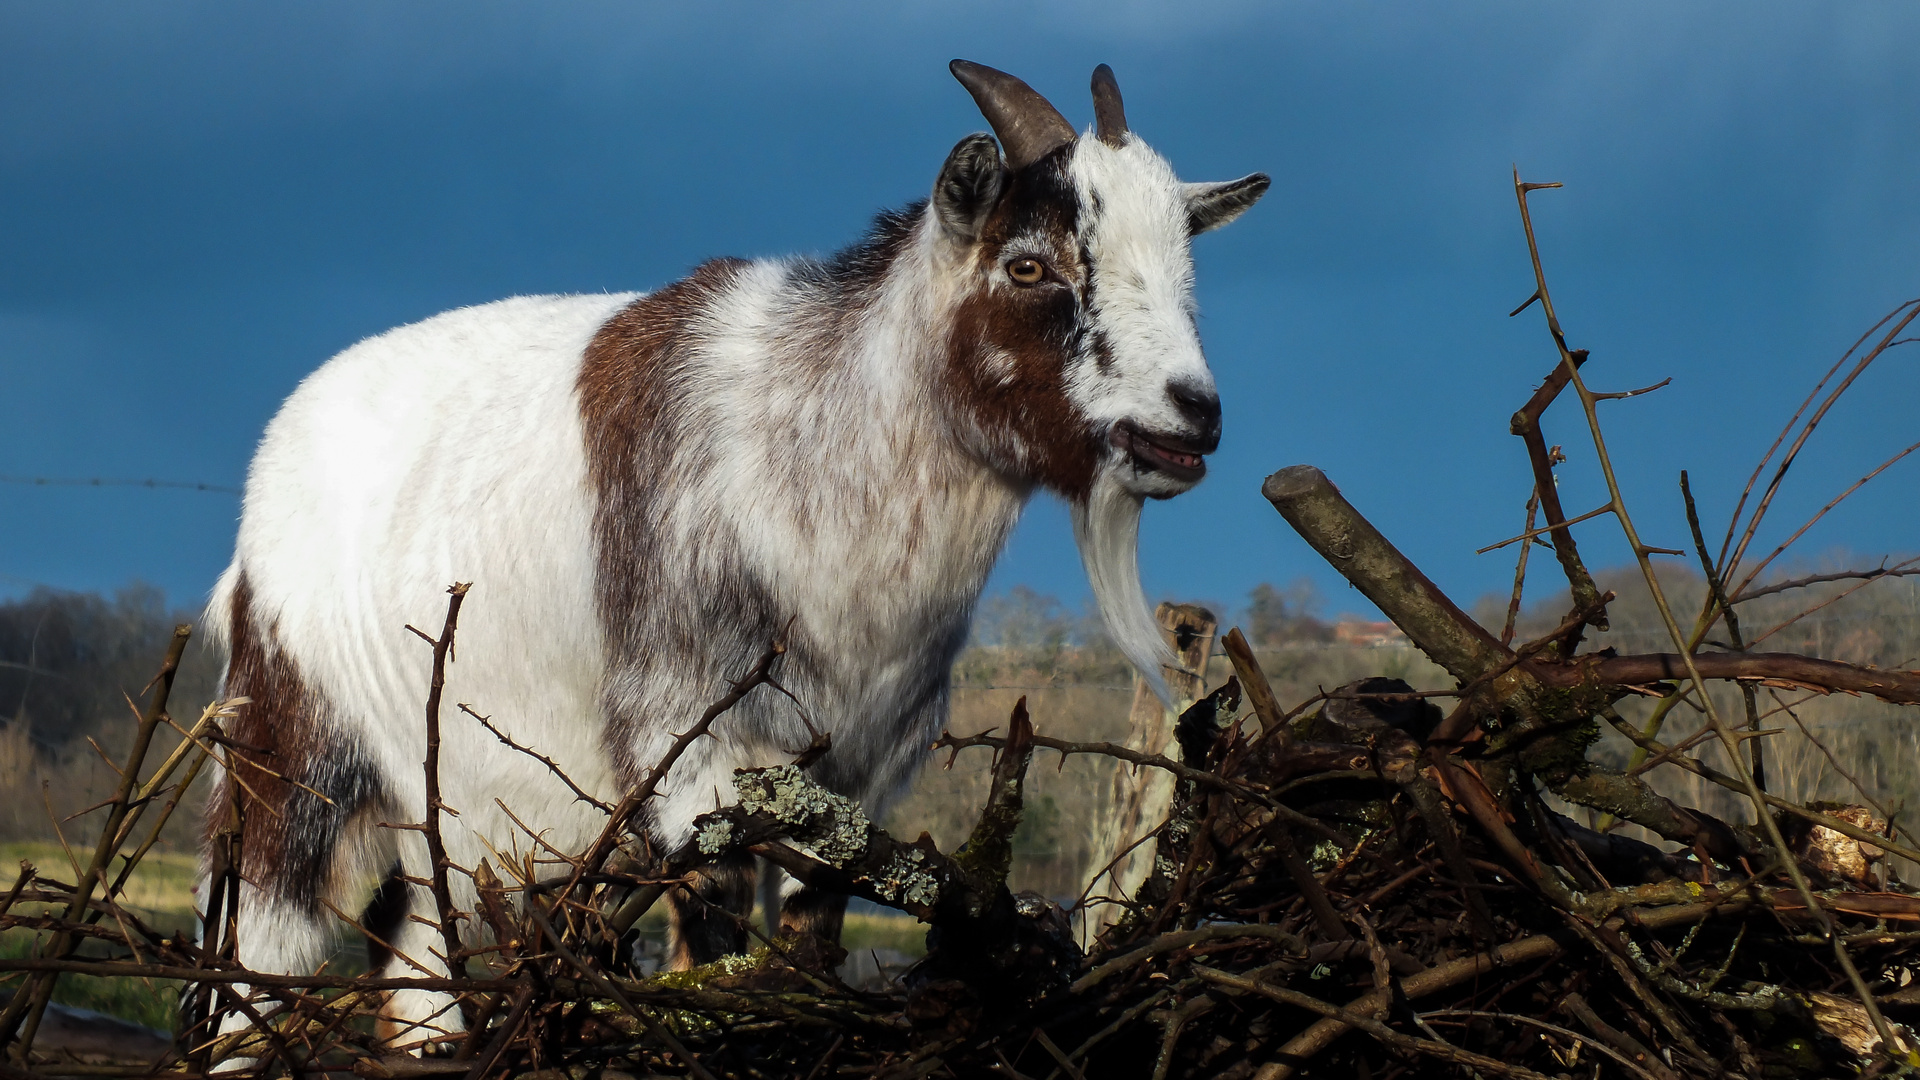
x=1107, y=530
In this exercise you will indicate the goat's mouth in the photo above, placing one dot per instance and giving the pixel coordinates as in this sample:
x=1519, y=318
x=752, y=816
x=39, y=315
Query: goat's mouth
x=1179, y=458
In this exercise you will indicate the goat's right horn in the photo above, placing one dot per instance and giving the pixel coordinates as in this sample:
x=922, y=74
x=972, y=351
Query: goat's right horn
x=1028, y=125
x=1109, y=116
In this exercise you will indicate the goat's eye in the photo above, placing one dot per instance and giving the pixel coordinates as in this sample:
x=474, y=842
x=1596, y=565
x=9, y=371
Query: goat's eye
x=1026, y=271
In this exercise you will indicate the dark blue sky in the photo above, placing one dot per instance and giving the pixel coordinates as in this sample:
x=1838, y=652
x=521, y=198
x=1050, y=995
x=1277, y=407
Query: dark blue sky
x=200, y=202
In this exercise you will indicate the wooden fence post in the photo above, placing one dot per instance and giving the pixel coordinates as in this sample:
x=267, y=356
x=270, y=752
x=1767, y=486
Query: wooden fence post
x=1140, y=798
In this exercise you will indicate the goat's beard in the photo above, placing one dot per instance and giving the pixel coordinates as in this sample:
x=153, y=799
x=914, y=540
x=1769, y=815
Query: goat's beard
x=1106, y=526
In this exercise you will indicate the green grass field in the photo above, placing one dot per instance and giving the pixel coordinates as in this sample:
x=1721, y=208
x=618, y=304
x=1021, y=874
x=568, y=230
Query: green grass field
x=160, y=893
x=900, y=933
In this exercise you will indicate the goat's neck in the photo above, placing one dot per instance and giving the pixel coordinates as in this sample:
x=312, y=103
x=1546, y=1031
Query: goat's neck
x=882, y=479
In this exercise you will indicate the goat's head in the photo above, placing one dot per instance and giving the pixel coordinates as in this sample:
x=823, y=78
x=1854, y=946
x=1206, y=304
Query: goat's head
x=1074, y=358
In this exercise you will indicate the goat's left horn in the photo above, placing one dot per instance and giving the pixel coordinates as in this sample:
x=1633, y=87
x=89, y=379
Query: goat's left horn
x=1109, y=115
x=1028, y=125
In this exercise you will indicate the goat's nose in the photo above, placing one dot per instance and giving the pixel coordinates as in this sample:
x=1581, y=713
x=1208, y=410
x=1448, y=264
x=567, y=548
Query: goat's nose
x=1199, y=405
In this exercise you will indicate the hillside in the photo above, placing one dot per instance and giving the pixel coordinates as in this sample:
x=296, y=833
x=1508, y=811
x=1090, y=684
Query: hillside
x=66, y=659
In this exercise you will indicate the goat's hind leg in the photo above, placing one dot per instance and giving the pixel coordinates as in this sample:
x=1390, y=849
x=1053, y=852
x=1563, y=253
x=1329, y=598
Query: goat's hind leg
x=809, y=919
x=805, y=910
x=707, y=918
x=406, y=923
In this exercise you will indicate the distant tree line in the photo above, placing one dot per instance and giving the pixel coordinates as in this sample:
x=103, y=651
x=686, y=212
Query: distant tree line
x=1024, y=619
x=69, y=660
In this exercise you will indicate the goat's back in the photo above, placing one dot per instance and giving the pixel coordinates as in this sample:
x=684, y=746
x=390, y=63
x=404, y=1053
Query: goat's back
x=446, y=450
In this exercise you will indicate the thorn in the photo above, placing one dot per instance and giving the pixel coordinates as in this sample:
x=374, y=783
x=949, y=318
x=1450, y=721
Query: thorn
x=1525, y=306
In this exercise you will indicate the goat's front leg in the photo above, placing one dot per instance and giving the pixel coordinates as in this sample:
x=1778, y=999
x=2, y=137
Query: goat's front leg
x=405, y=918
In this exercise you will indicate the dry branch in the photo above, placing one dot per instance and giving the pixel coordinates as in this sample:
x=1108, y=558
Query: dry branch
x=449, y=916
x=1816, y=579
x=1768, y=669
x=1327, y=522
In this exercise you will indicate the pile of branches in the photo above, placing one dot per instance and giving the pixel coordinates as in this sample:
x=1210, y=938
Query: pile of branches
x=1366, y=884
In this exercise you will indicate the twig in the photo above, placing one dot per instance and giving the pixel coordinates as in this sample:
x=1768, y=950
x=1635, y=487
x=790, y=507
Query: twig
x=1834, y=762
x=1174, y=1023
x=1822, y=512
x=1898, y=687
x=1622, y=394
x=1719, y=601
x=1816, y=579
x=1526, y=424
x=1532, y=532
x=990, y=847
x=552, y=766
x=1513, y=1018
x=950, y=741
x=1368, y=1024
x=1730, y=561
x=484, y=1061
x=27, y=874
x=450, y=916
x=260, y=979
x=1254, y=682
x=1053, y=1051
x=1181, y=939
x=205, y=736
x=1432, y=621
x=1321, y=908
x=1831, y=600
x=1709, y=773
x=1520, y=573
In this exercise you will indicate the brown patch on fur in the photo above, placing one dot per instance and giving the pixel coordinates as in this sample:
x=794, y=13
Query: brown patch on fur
x=626, y=392
x=626, y=396
x=289, y=835
x=1033, y=430
x=676, y=610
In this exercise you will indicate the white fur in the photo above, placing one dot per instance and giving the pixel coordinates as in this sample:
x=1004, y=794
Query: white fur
x=1142, y=298
x=1142, y=291
x=1106, y=528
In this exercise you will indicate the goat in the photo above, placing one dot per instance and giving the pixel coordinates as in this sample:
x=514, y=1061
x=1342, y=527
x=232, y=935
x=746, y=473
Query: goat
x=648, y=488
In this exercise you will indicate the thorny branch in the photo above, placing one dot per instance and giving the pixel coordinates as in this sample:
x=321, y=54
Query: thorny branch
x=450, y=916
x=1903, y=570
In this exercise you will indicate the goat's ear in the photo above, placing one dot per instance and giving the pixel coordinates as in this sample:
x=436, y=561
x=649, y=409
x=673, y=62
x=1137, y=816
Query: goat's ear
x=1210, y=206
x=969, y=185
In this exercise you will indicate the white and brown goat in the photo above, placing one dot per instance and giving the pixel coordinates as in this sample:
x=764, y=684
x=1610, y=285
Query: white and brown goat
x=648, y=488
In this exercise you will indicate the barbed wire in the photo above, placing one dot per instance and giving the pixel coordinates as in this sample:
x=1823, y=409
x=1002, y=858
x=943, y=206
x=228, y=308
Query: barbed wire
x=101, y=481
x=1041, y=686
